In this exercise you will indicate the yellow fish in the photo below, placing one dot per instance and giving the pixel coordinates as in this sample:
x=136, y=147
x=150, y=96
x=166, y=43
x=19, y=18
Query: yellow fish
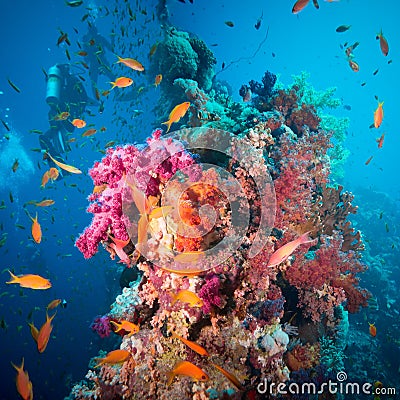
x=131, y=63
x=194, y=346
x=30, y=281
x=230, y=376
x=65, y=167
x=122, y=82
x=126, y=326
x=114, y=357
x=186, y=296
x=188, y=369
x=177, y=113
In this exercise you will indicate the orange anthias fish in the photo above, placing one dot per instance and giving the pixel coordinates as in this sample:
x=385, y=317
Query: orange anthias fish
x=44, y=333
x=157, y=80
x=24, y=385
x=114, y=357
x=45, y=179
x=186, y=368
x=131, y=63
x=36, y=230
x=283, y=253
x=89, y=132
x=99, y=188
x=65, y=167
x=121, y=82
x=299, y=5
x=177, y=113
x=230, y=376
x=194, y=346
x=30, y=281
x=378, y=115
x=53, y=304
x=187, y=296
x=383, y=43
x=78, y=123
x=44, y=203
x=53, y=173
x=126, y=326
x=34, y=331
x=372, y=329
x=380, y=141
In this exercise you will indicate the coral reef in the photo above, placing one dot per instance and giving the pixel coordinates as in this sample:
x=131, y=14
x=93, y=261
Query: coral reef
x=176, y=204
x=180, y=55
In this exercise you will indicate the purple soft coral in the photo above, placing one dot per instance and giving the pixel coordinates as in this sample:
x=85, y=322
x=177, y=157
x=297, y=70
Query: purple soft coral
x=209, y=293
x=101, y=325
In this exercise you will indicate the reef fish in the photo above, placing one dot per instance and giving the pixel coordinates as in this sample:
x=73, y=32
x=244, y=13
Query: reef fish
x=380, y=141
x=378, y=115
x=30, y=281
x=186, y=368
x=78, y=123
x=122, y=82
x=157, y=80
x=372, y=329
x=131, y=63
x=383, y=43
x=53, y=304
x=44, y=333
x=126, y=326
x=194, y=346
x=68, y=168
x=114, y=357
x=15, y=165
x=36, y=230
x=34, y=331
x=284, y=252
x=44, y=203
x=187, y=296
x=343, y=28
x=299, y=5
x=369, y=160
x=354, y=66
x=177, y=113
x=230, y=376
x=24, y=385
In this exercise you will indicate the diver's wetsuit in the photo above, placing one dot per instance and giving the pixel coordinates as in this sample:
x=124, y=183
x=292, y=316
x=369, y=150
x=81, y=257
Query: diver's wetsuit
x=65, y=93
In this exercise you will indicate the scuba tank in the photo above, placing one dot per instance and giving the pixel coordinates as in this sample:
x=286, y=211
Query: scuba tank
x=54, y=84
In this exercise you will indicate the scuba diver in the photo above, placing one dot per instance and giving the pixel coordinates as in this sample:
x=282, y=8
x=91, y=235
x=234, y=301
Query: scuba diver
x=94, y=46
x=67, y=99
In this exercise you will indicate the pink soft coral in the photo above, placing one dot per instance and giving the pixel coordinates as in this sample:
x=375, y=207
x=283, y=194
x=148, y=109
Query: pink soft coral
x=149, y=168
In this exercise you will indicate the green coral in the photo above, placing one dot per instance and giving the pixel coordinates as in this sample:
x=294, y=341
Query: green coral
x=331, y=355
x=321, y=100
x=308, y=95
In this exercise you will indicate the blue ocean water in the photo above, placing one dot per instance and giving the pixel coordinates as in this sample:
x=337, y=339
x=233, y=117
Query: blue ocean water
x=285, y=44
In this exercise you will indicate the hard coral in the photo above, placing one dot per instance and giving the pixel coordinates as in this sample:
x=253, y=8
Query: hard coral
x=181, y=56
